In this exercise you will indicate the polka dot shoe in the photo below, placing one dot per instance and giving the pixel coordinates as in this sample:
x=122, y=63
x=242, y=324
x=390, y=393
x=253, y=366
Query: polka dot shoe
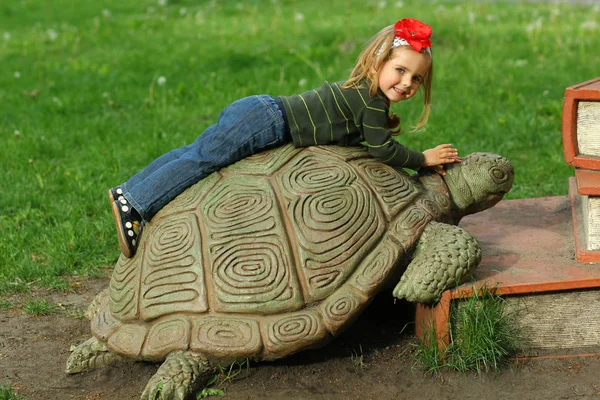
x=128, y=220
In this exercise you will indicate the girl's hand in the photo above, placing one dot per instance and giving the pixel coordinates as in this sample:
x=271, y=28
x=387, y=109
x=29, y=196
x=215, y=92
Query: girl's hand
x=442, y=154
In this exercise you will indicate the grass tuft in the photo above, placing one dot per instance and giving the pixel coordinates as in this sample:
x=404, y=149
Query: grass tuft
x=16, y=286
x=75, y=312
x=237, y=370
x=6, y=393
x=428, y=355
x=5, y=304
x=483, y=334
x=39, y=307
x=225, y=375
x=358, y=360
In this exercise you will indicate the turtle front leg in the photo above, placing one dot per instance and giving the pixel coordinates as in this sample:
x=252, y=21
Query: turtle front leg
x=90, y=355
x=178, y=377
x=444, y=255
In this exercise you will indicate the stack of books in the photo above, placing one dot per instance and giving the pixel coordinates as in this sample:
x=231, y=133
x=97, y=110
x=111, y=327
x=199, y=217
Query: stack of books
x=581, y=144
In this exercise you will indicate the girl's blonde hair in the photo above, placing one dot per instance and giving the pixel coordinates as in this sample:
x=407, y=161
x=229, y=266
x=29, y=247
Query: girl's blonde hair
x=369, y=63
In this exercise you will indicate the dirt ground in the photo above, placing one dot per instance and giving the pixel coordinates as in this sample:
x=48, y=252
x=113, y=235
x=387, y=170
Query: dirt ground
x=371, y=360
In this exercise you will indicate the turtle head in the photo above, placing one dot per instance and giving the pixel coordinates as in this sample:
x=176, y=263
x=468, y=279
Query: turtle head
x=478, y=182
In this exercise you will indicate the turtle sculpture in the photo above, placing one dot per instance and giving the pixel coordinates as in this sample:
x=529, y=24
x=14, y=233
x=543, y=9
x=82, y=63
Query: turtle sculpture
x=281, y=252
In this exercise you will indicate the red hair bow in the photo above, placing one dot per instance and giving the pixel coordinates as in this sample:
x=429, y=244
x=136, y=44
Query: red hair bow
x=415, y=32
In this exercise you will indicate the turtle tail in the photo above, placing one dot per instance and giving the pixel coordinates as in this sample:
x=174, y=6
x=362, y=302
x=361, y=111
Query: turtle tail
x=90, y=355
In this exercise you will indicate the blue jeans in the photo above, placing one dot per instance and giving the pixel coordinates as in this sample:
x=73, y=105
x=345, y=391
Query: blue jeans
x=245, y=127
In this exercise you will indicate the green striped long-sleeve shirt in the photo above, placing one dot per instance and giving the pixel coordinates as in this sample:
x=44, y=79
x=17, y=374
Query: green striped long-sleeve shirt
x=346, y=117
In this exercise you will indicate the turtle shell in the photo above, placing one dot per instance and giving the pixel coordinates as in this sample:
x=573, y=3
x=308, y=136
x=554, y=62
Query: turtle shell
x=276, y=253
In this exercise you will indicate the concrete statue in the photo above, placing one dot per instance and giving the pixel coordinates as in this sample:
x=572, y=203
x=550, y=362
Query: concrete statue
x=281, y=252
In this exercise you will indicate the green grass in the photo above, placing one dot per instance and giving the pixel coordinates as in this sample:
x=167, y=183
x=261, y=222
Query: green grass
x=38, y=307
x=82, y=107
x=358, y=359
x=483, y=334
x=428, y=355
x=6, y=393
x=5, y=304
x=217, y=385
x=74, y=312
x=226, y=375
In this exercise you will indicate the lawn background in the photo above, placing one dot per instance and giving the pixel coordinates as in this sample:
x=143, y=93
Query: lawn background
x=90, y=92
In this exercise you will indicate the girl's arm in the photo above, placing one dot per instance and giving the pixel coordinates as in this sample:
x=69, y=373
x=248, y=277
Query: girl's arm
x=373, y=122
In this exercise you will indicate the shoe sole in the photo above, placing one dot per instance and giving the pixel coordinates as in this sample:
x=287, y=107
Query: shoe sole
x=117, y=217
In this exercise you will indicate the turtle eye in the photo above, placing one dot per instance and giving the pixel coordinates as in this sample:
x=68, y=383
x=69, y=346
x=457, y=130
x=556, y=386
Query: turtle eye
x=499, y=175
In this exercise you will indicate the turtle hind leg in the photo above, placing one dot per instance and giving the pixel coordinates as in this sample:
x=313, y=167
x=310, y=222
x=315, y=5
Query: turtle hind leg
x=444, y=256
x=90, y=355
x=178, y=377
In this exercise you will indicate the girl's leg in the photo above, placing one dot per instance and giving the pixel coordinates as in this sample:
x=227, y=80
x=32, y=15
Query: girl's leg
x=156, y=164
x=246, y=127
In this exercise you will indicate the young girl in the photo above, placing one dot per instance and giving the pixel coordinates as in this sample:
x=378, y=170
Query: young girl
x=394, y=65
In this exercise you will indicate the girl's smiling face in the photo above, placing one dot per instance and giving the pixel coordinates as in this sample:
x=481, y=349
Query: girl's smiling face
x=400, y=76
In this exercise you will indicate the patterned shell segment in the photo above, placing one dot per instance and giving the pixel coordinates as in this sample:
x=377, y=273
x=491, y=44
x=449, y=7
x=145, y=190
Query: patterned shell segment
x=271, y=255
x=333, y=218
x=249, y=261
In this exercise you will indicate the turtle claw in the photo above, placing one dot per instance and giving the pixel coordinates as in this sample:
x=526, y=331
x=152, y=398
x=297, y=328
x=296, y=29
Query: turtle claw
x=178, y=377
x=157, y=389
x=413, y=292
x=444, y=256
x=400, y=291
